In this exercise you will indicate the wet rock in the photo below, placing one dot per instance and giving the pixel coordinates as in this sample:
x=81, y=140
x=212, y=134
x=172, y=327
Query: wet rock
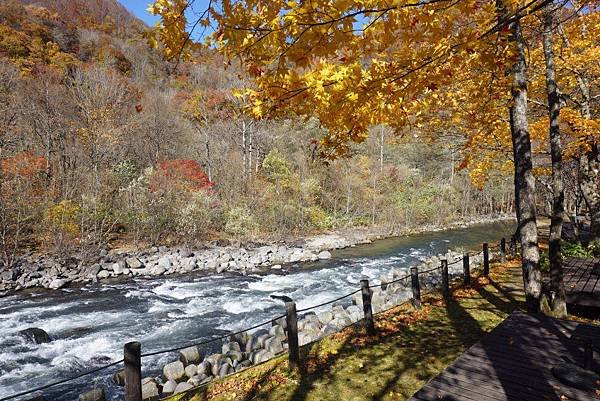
x=183, y=386
x=58, y=283
x=96, y=394
x=174, y=371
x=190, y=355
x=35, y=335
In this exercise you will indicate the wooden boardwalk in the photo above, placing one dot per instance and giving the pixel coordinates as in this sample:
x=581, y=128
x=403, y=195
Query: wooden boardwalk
x=582, y=281
x=513, y=362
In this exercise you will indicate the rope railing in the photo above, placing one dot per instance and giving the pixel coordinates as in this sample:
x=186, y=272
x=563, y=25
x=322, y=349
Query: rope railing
x=63, y=381
x=206, y=342
x=133, y=355
x=328, y=302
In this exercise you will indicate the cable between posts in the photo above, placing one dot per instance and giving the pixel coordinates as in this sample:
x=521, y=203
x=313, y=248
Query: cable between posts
x=164, y=351
x=328, y=302
x=61, y=381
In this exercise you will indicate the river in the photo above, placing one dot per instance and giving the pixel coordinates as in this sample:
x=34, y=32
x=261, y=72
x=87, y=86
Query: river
x=89, y=325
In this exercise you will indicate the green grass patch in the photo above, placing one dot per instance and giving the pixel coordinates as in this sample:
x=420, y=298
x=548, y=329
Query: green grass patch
x=410, y=348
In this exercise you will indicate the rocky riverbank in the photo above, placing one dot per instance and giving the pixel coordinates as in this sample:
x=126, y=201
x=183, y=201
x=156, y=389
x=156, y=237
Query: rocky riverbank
x=50, y=272
x=241, y=351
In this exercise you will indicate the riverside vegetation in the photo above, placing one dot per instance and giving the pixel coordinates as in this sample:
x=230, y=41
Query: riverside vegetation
x=105, y=145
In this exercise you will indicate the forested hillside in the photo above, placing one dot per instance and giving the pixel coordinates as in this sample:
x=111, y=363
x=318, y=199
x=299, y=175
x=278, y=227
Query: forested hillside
x=104, y=142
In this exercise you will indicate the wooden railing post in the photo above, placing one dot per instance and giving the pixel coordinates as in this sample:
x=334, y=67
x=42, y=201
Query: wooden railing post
x=416, y=287
x=368, y=311
x=291, y=318
x=486, y=259
x=445, y=279
x=503, y=250
x=466, y=268
x=133, y=371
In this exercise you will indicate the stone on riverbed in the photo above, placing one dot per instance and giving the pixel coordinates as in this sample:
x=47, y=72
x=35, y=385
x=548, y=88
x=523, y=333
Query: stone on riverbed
x=174, y=371
x=190, y=355
x=35, y=335
x=102, y=274
x=58, y=283
x=149, y=388
x=324, y=255
x=133, y=263
x=96, y=394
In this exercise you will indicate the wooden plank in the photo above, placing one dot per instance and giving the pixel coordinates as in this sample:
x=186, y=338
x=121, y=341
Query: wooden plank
x=512, y=363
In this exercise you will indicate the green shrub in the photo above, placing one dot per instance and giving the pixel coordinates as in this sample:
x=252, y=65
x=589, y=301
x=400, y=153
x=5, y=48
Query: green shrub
x=239, y=221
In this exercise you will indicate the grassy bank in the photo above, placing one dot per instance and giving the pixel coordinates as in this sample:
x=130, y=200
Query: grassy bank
x=410, y=348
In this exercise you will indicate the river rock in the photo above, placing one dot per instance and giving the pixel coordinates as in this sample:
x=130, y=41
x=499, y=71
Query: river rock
x=102, y=274
x=235, y=355
x=262, y=356
x=119, y=378
x=57, y=283
x=190, y=355
x=251, y=344
x=149, y=388
x=273, y=345
x=96, y=394
x=325, y=317
x=191, y=370
x=277, y=331
x=183, y=386
x=164, y=262
x=203, y=368
x=225, y=369
x=169, y=387
x=197, y=380
x=324, y=255
x=230, y=346
x=35, y=335
x=134, y=263
x=174, y=371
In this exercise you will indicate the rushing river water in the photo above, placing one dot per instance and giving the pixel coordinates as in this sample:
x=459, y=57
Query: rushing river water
x=89, y=325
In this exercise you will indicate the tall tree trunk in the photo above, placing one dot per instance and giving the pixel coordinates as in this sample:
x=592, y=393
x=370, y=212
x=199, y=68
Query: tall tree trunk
x=556, y=303
x=524, y=179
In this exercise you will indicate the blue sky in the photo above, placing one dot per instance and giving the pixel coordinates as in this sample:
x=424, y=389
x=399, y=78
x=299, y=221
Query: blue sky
x=138, y=8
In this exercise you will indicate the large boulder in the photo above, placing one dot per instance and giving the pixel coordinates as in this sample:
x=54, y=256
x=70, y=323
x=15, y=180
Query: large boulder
x=174, y=371
x=35, y=335
x=190, y=355
x=96, y=394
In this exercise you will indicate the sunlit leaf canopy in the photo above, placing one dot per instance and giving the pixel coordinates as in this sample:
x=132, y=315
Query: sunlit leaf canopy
x=435, y=66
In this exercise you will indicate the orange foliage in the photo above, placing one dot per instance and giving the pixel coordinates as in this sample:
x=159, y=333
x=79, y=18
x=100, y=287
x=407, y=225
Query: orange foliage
x=23, y=164
x=182, y=174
